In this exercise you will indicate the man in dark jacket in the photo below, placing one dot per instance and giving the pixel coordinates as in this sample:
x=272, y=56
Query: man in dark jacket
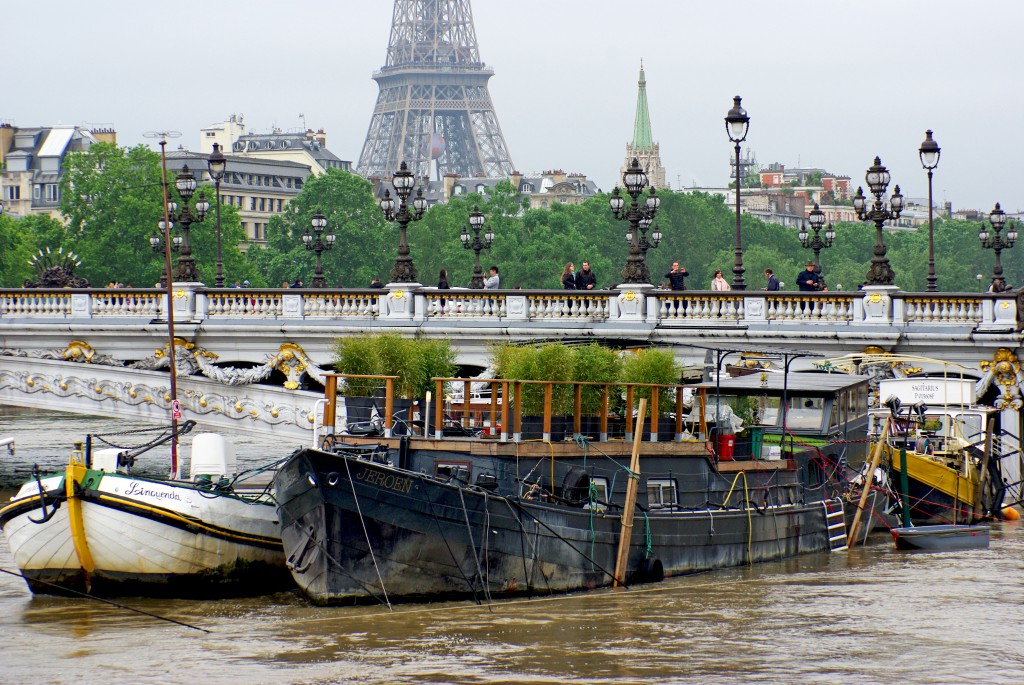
x=677, y=277
x=585, y=279
x=773, y=282
x=808, y=280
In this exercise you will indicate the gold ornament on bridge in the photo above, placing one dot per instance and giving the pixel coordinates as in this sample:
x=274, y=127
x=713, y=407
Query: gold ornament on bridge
x=78, y=351
x=1005, y=366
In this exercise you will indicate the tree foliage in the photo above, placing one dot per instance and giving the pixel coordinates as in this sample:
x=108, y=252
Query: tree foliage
x=359, y=252
x=112, y=199
x=19, y=240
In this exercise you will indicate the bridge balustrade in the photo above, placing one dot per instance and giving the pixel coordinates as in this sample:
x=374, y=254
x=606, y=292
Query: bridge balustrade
x=661, y=308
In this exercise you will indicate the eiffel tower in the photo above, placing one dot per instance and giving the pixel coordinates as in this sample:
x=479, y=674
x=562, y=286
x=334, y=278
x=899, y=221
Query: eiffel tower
x=433, y=105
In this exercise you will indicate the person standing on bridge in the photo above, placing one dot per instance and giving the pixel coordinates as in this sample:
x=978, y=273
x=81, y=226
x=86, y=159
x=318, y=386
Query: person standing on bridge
x=718, y=283
x=493, y=281
x=677, y=277
x=569, y=277
x=808, y=280
x=585, y=279
x=773, y=282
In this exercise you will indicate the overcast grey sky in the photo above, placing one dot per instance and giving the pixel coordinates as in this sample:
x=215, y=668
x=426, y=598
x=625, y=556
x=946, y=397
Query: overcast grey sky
x=828, y=84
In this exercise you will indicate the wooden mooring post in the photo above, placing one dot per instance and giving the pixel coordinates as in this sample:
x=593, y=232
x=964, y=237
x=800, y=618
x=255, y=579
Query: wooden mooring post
x=626, y=530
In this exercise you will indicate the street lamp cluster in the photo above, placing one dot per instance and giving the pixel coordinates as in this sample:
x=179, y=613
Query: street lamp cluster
x=318, y=243
x=476, y=243
x=880, y=273
x=639, y=217
x=186, y=186
x=997, y=243
x=403, y=181
x=818, y=242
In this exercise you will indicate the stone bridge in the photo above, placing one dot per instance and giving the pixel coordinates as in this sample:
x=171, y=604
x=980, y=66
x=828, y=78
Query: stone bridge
x=258, y=348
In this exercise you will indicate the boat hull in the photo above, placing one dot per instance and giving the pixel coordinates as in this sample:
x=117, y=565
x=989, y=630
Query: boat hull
x=941, y=537
x=125, y=535
x=356, y=530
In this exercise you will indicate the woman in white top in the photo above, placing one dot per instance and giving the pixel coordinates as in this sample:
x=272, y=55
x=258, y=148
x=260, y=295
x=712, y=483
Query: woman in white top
x=719, y=283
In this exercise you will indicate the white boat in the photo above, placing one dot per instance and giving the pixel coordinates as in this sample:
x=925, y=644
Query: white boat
x=98, y=528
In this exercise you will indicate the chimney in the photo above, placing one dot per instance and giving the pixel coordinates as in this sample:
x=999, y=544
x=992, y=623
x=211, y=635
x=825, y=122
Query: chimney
x=104, y=135
x=6, y=139
x=321, y=137
x=449, y=183
x=516, y=178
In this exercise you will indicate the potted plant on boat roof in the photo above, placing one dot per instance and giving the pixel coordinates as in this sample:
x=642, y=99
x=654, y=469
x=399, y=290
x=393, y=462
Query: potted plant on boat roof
x=655, y=367
x=414, y=362
x=555, y=362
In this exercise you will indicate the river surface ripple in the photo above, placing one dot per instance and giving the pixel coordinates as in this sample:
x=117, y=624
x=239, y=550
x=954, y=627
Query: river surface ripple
x=871, y=615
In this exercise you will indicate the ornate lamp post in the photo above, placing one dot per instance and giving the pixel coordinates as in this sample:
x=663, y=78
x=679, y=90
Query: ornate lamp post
x=186, y=185
x=877, y=178
x=404, y=270
x=737, y=123
x=639, y=218
x=996, y=242
x=476, y=244
x=929, y=153
x=318, y=243
x=817, y=243
x=216, y=165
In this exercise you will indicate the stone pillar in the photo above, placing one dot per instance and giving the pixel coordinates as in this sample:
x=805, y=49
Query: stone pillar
x=400, y=303
x=632, y=301
x=878, y=304
x=184, y=300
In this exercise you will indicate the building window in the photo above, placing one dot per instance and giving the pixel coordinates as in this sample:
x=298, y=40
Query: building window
x=51, y=192
x=481, y=188
x=263, y=204
x=252, y=204
x=279, y=204
x=526, y=188
x=13, y=192
x=661, y=492
x=37, y=191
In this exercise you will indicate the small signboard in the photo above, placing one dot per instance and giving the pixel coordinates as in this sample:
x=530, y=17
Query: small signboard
x=175, y=410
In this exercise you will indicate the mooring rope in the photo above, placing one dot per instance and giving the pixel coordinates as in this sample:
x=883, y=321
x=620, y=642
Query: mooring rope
x=366, y=534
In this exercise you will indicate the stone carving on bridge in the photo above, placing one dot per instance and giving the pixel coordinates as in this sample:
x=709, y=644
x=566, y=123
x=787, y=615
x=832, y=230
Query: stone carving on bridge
x=56, y=270
x=76, y=351
x=291, y=360
x=1005, y=371
x=100, y=390
x=185, y=358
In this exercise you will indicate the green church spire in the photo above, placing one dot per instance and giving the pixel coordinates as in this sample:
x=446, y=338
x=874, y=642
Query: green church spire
x=642, y=138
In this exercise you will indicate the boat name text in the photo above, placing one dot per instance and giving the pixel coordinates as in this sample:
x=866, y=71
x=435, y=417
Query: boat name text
x=138, y=490
x=385, y=480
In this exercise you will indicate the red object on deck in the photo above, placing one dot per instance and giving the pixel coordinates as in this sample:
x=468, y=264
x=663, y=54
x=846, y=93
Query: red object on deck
x=725, y=447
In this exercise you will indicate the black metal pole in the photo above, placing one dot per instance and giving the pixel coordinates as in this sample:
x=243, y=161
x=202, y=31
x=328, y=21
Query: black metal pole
x=738, y=282
x=932, y=278
x=220, y=263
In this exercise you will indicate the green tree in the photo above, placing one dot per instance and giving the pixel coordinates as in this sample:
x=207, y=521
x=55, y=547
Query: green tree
x=112, y=198
x=18, y=241
x=364, y=246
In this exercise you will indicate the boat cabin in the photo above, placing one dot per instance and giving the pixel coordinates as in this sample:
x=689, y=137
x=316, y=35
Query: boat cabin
x=787, y=413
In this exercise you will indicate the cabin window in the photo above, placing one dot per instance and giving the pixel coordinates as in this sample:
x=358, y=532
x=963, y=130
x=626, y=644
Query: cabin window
x=599, y=489
x=835, y=418
x=805, y=412
x=661, y=492
x=862, y=401
x=769, y=410
x=452, y=469
x=969, y=427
